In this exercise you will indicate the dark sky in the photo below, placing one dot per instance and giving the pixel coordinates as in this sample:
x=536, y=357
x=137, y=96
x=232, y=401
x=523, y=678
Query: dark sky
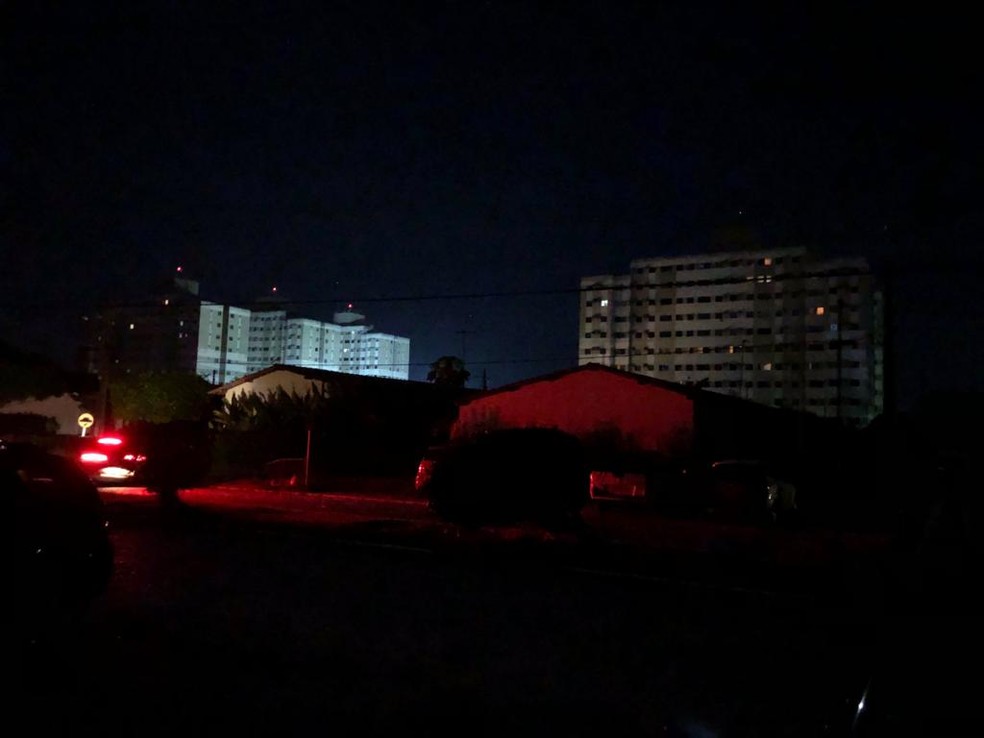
x=376, y=152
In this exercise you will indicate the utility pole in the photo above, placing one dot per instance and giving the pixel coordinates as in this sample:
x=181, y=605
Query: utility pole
x=307, y=459
x=840, y=354
x=104, y=406
x=741, y=375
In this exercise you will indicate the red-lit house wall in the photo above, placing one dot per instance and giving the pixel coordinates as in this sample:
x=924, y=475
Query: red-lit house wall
x=583, y=402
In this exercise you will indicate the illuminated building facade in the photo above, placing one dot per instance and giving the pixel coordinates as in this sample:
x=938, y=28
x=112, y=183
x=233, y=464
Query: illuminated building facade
x=776, y=326
x=347, y=345
x=178, y=331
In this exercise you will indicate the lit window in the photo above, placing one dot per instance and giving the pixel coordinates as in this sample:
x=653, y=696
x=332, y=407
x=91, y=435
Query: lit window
x=604, y=303
x=767, y=366
x=767, y=261
x=820, y=310
x=131, y=326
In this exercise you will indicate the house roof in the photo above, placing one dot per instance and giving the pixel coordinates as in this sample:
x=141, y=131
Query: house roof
x=593, y=368
x=328, y=375
x=706, y=398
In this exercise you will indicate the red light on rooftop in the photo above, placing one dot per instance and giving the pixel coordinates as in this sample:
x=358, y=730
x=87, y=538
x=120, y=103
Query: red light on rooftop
x=110, y=441
x=180, y=268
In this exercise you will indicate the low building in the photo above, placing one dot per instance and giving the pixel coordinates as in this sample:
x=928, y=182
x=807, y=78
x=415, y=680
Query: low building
x=301, y=380
x=621, y=412
x=361, y=423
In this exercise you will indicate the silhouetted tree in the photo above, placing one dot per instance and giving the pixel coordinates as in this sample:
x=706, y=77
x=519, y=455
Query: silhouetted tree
x=160, y=397
x=448, y=371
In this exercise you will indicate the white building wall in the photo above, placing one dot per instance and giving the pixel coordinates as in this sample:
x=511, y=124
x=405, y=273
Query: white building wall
x=223, y=339
x=233, y=342
x=237, y=343
x=267, y=339
x=209, y=363
x=383, y=355
x=332, y=354
x=304, y=343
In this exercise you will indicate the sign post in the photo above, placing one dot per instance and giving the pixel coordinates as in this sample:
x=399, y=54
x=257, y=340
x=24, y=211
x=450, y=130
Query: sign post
x=85, y=422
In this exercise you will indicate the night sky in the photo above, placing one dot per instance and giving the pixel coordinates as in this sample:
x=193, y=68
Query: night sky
x=397, y=155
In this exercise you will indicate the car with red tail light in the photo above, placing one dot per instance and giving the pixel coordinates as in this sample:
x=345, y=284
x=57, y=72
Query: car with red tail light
x=163, y=457
x=113, y=459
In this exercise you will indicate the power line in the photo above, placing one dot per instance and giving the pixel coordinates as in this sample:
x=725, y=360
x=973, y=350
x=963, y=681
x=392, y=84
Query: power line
x=882, y=273
x=630, y=354
x=620, y=282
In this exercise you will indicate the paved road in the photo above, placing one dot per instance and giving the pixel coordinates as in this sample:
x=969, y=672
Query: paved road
x=287, y=613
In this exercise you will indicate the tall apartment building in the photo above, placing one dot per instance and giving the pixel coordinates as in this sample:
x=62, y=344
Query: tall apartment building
x=776, y=326
x=223, y=342
x=267, y=339
x=156, y=333
x=371, y=353
x=345, y=345
x=178, y=331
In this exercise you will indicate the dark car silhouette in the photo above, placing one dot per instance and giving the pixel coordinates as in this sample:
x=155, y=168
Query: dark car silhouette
x=164, y=457
x=507, y=476
x=56, y=544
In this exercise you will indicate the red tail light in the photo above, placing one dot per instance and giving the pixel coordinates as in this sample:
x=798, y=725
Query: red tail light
x=94, y=457
x=425, y=471
x=110, y=441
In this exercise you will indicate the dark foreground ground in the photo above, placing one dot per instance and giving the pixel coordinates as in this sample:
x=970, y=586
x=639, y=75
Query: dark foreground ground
x=263, y=616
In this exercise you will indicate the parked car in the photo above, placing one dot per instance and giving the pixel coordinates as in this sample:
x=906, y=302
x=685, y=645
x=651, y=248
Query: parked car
x=506, y=476
x=112, y=459
x=164, y=457
x=741, y=491
x=57, y=544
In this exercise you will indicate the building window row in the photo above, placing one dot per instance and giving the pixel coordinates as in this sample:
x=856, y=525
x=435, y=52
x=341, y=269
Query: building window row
x=767, y=261
x=777, y=295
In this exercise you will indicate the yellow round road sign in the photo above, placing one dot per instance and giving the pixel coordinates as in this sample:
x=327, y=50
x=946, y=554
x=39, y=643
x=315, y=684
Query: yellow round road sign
x=86, y=420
